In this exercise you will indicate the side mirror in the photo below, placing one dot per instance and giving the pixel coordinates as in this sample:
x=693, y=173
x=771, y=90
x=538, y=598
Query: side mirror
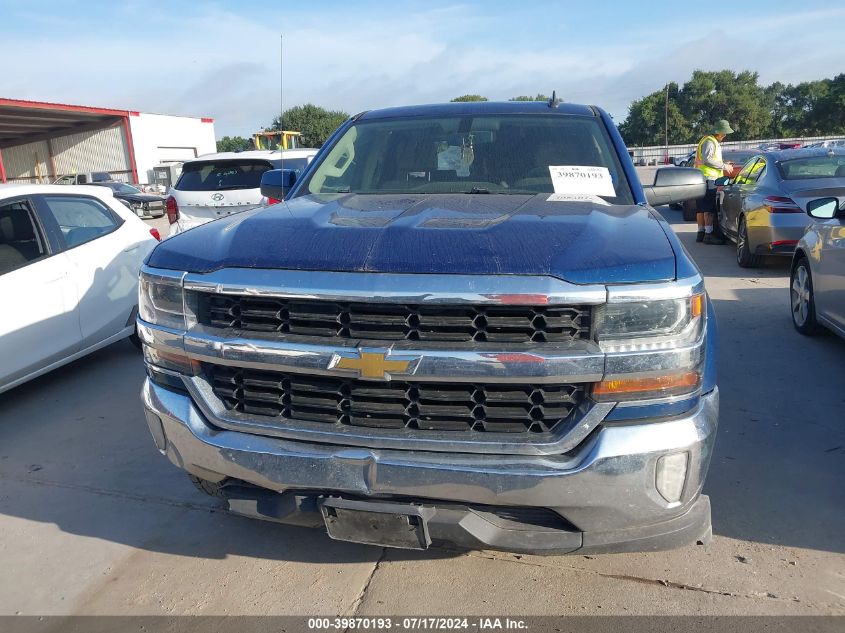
x=723, y=181
x=675, y=184
x=276, y=183
x=823, y=208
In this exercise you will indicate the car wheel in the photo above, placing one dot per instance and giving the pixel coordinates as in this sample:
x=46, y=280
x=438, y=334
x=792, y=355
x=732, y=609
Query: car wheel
x=744, y=257
x=210, y=488
x=802, y=300
x=689, y=211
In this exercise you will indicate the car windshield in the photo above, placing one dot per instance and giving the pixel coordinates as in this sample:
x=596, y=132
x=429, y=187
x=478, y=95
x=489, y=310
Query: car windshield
x=119, y=187
x=222, y=175
x=813, y=167
x=506, y=154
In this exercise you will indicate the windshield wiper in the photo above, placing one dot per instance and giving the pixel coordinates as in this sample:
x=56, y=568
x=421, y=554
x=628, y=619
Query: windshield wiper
x=230, y=188
x=477, y=190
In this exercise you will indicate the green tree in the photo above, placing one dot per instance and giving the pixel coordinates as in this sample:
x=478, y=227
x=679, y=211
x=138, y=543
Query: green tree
x=233, y=144
x=469, y=98
x=538, y=97
x=724, y=94
x=831, y=109
x=314, y=122
x=811, y=108
x=646, y=121
x=778, y=100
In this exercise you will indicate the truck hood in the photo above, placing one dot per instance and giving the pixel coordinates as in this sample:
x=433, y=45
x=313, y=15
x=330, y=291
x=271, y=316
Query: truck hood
x=480, y=234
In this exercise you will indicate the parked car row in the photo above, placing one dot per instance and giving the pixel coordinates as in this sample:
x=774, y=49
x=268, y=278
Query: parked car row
x=763, y=209
x=143, y=204
x=791, y=203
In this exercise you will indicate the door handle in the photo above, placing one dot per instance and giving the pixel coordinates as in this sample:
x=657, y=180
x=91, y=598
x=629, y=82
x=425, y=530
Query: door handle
x=131, y=249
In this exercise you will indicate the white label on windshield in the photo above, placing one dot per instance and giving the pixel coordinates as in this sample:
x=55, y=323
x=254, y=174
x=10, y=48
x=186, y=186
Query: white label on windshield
x=582, y=179
x=576, y=197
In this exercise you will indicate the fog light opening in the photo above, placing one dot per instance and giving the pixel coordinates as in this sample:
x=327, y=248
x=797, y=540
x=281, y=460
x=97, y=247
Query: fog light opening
x=671, y=476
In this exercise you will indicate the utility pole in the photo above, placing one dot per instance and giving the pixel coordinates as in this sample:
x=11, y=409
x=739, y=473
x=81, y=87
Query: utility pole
x=666, y=124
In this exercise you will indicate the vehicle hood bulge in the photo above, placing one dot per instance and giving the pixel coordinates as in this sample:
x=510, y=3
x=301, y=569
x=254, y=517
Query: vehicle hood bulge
x=484, y=234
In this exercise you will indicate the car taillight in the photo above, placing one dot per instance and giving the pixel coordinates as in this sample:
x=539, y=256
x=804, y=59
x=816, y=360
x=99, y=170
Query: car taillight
x=780, y=204
x=155, y=234
x=273, y=201
x=172, y=210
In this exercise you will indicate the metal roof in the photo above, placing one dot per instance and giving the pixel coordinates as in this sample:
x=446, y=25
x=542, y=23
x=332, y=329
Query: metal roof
x=28, y=121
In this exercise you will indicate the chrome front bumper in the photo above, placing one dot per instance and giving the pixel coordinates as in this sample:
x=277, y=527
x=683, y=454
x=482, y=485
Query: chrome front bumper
x=605, y=487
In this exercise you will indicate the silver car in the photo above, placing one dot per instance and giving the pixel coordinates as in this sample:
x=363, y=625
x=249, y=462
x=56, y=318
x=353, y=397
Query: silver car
x=817, y=285
x=763, y=209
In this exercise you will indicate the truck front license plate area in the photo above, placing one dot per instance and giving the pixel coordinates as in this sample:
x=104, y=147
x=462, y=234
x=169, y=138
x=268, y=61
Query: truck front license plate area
x=373, y=523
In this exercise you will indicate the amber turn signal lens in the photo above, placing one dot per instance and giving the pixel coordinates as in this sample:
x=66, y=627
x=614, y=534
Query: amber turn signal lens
x=171, y=360
x=696, y=305
x=651, y=387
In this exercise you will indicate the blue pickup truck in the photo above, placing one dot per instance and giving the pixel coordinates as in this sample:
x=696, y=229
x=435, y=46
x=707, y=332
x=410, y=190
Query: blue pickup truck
x=464, y=324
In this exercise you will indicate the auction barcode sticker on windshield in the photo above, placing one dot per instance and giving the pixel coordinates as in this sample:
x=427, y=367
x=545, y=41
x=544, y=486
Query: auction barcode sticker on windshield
x=582, y=179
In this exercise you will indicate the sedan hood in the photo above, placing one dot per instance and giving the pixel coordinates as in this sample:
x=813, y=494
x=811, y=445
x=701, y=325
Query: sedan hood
x=481, y=234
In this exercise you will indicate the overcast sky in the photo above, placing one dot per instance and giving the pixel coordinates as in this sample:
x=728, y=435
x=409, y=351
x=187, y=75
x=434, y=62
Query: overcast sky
x=221, y=59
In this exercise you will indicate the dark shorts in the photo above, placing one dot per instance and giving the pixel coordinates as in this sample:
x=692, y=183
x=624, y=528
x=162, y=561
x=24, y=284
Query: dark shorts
x=707, y=204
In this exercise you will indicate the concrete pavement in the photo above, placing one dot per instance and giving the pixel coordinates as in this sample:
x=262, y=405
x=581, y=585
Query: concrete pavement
x=94, y=521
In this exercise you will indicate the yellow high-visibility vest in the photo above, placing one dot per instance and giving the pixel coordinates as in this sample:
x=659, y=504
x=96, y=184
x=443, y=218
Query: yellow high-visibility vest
x=710, y=173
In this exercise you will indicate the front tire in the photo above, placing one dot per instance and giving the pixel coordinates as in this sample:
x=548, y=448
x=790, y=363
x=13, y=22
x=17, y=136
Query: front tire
x=802, y=300
x=212, y=489
x=744, y=257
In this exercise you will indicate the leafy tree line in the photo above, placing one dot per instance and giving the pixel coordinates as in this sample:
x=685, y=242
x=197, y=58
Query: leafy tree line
x=811, y=108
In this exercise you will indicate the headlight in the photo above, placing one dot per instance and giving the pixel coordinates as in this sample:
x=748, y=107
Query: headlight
x=160, y=301
x=654, y=346
x=648, y=325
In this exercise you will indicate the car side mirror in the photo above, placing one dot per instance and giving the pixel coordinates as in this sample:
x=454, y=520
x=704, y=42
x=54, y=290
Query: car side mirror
x=823, y=208
x=276, y=183
x=675, y=184
x=723, y=181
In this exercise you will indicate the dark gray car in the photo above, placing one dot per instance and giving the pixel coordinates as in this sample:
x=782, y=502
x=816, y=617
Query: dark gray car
x=763, y=209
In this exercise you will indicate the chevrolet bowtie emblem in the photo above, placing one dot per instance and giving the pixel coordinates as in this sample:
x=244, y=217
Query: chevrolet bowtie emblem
x=372, y=363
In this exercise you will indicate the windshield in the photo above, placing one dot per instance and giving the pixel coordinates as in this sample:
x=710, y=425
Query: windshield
x=119, y=187
x=482, y=154
x=222, y=175
x=813, y=167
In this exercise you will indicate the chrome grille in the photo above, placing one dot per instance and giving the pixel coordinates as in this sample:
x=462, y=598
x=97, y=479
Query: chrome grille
x=385, y=321
x=420, y=406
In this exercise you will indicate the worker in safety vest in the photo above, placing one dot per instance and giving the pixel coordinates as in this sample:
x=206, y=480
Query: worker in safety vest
x=708, y=158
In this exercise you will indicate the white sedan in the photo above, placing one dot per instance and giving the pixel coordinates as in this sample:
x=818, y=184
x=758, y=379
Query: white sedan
x=69, y=263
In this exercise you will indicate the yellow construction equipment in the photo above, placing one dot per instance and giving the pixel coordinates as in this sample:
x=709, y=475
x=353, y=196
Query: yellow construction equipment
x=277, y=139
